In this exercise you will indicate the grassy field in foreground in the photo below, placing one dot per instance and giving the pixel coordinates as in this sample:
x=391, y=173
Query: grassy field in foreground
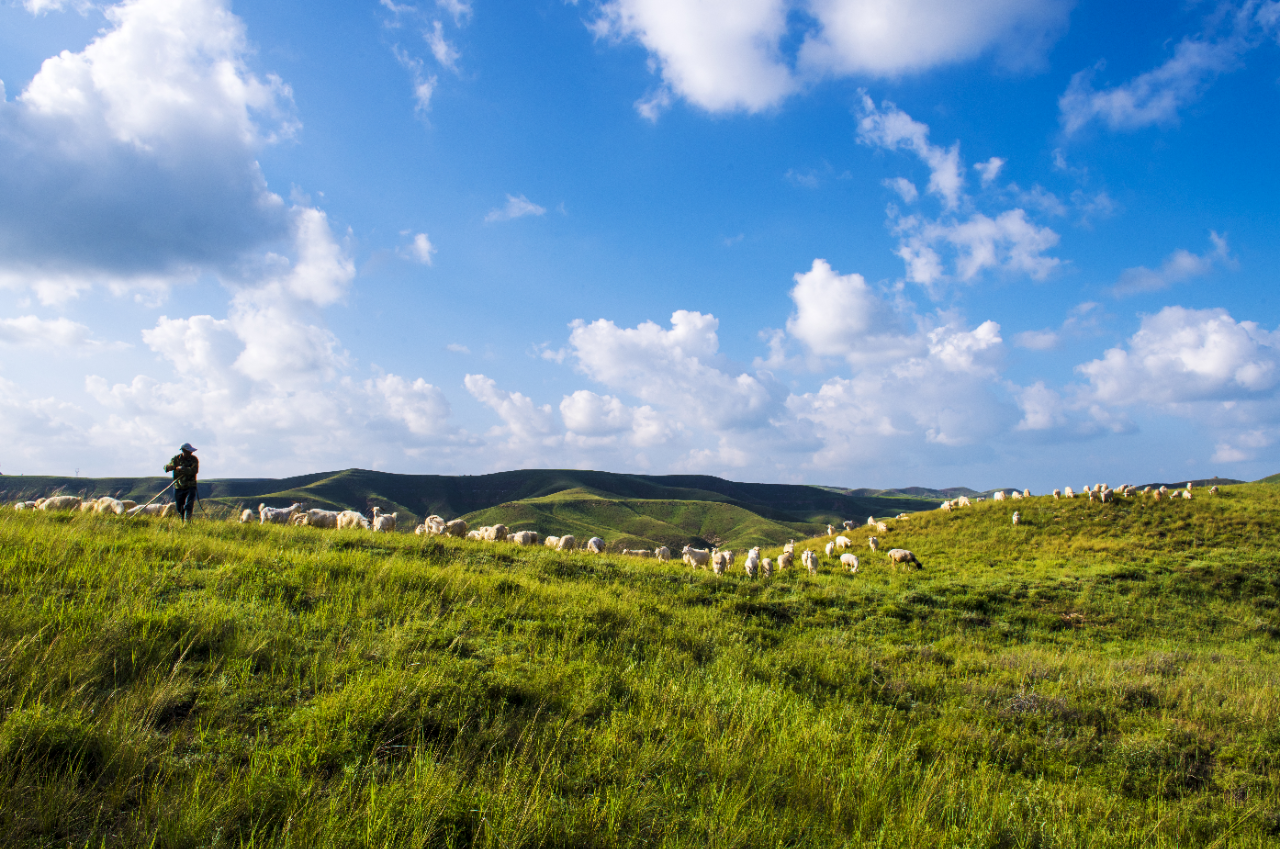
x=1101, y=675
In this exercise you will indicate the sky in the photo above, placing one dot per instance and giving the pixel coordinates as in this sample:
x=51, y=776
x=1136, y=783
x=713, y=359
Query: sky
x=1018, y=243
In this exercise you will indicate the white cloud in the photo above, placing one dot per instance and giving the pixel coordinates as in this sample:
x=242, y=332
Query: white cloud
x=424, y=85
x=420, y=249
x=1156, y=96
x=133, y=163
x=653, y=104
x=891, y=128
x=457, y=348
x=446, y=54
x=989, y=170
x=841, y=316
x=594, y=420
x=459, y=9
x=517, y=207
x=29, y=331
x=726, y=55
x=1180, y=266
x=904, y=187
x=525, y=422
x=1009, y=242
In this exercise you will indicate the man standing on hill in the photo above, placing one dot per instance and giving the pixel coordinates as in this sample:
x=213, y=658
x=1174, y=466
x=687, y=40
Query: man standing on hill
x=185, y=467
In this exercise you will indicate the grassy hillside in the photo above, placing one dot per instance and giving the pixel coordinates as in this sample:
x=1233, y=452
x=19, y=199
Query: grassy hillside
x=1099, y=676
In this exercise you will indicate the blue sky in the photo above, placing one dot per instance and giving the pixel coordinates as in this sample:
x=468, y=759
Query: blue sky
x=1003, y=243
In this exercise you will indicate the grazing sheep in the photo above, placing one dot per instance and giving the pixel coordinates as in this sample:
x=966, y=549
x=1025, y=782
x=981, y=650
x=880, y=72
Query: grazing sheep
x=551, y=542
x=873, y=543
x=298, y=519
x=1107, y=496
x=946, y=507
x=785, y=560
x=523, y=538
x=1164, y=490
x=753, y=561
x=849, y=524
x=494, y=533
x=830, y=548
x=25, y=505
x=831, y=530
x=902, y=555
x=662, y=553
x=1213, y=490
x=1057, y=493
x=60, y=502
x=1186, y=493
x=276, y=515
x=1015, y=494
x=963, y=501
x=107, y=504
x=998, y=496
x=88, y=506
x=475, y=536
x=903, y=516
x=567, y=543
x=696, y=556
x=766, y=568
x=1026, y=493
x=596, y=546
x=810, y=561
x=721, y=561
x=160, y=510
x=246, y=515
x=843, y=542
x=384, y=522
x=790, y=547
x=1016, y=516
x=434, y=525
x=849, y=561
x=352, y=519
x=456, y=528
x=637, y=552
x=1157, y=495
x=882, y=527
x=1068, y=493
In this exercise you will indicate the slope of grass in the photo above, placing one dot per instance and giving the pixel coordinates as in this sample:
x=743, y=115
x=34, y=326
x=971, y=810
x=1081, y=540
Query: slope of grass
x=1100, y=675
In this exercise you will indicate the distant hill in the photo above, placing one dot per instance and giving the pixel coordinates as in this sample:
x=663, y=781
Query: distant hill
x=639, y=510
x=1203, y=482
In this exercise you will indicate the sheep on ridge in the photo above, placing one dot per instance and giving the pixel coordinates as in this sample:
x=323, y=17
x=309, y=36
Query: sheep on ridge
x=637, y=552
x=523, y=538
x=902, y=555
x=596, y=546
x=843, y=542
x=849, y=561
x=882, y=527
x=384, y=522
x=849, y=524
x=766, y=568
x=567, y=543
x=1068, y=493
x=551, y=542
x=1057, y=493
x=998, y=496
x=60, y=502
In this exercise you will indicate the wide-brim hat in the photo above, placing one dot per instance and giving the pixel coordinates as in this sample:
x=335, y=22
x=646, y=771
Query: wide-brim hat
x=187, y=446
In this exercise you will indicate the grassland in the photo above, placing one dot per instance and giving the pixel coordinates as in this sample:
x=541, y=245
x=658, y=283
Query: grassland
x=1100, y=675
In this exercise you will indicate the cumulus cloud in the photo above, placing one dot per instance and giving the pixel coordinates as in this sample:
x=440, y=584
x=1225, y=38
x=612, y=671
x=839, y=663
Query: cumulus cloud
x=420, y=250
x=905, y=189
x=133, y=162
x=29, y=331
x=725, y=55
x=594, y=420
x=1156, y=97
x=1082, y=319
x=1010, y=242
x=1180, y=266
x=889, y=127
x=989, y=170
x=525, y=423
x=517, y=207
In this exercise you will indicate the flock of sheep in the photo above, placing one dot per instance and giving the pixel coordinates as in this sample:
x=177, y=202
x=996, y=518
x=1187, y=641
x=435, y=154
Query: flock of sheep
x=718, y=561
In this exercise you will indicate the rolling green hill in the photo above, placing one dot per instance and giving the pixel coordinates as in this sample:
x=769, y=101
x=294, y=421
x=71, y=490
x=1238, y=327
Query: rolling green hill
x=1101, y=675
x=647, y=510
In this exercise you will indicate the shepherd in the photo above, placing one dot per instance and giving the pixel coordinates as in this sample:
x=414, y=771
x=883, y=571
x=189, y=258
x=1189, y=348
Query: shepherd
x=185, y=467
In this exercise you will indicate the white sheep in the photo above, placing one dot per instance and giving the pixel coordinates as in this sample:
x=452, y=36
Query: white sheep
x=662, y=553
x=946, y=507
x=298, y=519
x=752, y=565
x=696, y=556
x=352, y=519
x=902, y=555
x=88, y=506
x=998, y=496
x=107, y=504
x=1107, y=496
x=494, y=533
x=456, y=528
x=596, y=546
x=1026, y=493
x=1015, y=494
x=1186, y=493
x=551, y=542
x=843, y=542
x=24, y=505
x=849, y=561
x=318, y=518
x=831, y=530
x=849, y=524
x=384, y=522
x=903, y=516
x=963, y=501
x=830, y=548
x=246, y=515
x=638, y=552
x=790, y=547
x=881, y=527
x=60, y=502
x=1057, y=493
x=567, y=543
x=160, y=510
x=871, y=520
x=1213, y=490
x=766, y=568
x=785, y=560
x=810, y=561
x=475, y=536
x=873, y=543
x=718, y=564
x=1016, y=516
x=276, y=515
x=523, y=537
x=1068, y=493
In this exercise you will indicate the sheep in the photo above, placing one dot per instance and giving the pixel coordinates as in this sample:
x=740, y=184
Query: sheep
x=474, y=536
x=551, y=542
x=849, y=524
x=1106, y=496
x=810, y=561
x=1057, y=493
x=1068, y=493
x=456, y=528
x=494, y=533
x=60, y=502
x=721, y=561
x=276, y=515
x=24, y=505
x=1186, y=493
x=160, y=510
x=1164, y=490
x=88, y=506
x=963, y=501
x=790, y=547
x=871, y=520
x=128, y=505
x=696, y=556
x=1157, y=495
x=352, y=519
x=998, y=496
x=1026, y=493
x=843, y=542
x=1090, y=494
x=107, y=504
x=1213, y=490
x=1015, y=494
x=246, y=515
x=946, y=507
x=298, y=519
x=902, y=555
x=318, y=518
x=523, y=538
x=638, y=552
x=849, y=561
x=567, y=543
x=384, y=522
x=873, y=543
x=662, y=553
x=785, y=559
x=433, y=525
x=596, y=546
x=903, y=516
x=829, y=549
x=766, y=568
x=753, y=561
x=831, y=530
x=1016, y=516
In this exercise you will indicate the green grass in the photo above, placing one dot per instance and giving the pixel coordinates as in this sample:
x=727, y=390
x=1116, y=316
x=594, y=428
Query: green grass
x=1101, y=675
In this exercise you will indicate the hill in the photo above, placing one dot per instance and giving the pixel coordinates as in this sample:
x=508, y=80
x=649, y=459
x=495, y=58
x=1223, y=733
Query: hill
x=773, y=512
x=1099, y=675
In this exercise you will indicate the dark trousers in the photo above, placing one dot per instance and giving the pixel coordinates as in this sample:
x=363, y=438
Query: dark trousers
x=185, y=499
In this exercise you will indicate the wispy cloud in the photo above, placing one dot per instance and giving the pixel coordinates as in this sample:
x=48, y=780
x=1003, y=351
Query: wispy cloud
x=1181, y=265
x=517, y=207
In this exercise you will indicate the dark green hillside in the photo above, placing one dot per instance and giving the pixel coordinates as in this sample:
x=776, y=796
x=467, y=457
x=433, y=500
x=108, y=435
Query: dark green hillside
x=644, y=523
x=1100, y=676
